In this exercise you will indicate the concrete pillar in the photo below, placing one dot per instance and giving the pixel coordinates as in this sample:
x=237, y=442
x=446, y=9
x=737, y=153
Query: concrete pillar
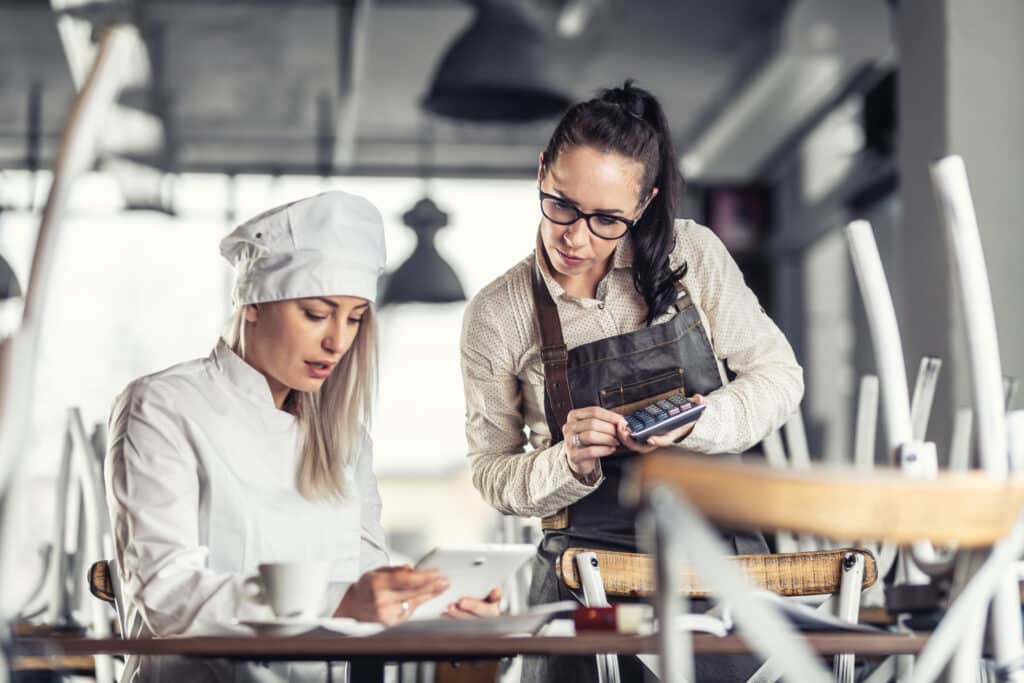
x=961, y=72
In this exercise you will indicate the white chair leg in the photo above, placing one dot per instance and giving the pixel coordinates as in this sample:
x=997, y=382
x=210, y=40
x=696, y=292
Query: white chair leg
x=775, y=456
x=674, y=646
x=924, y=395
x=1010, y=386
x=885, y=672
x=774, y=451
x=771, y=671
x=949, y=178
x=800, y=459
x=848, y=610
x=888, y=348
x=594, y=596
x=885, y=335
x=960, y=441
x=967, y=610
x=867, y=424
x=796, y=439
x=768, y=633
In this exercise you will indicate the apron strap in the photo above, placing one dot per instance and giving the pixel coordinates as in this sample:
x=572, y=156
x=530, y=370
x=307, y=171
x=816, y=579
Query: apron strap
x=553, y=351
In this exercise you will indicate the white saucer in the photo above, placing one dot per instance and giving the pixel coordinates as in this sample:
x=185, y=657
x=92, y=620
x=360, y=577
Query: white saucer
x=292, y=626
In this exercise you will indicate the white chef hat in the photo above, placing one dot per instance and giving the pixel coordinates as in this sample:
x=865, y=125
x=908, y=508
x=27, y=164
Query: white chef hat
x=331, y=244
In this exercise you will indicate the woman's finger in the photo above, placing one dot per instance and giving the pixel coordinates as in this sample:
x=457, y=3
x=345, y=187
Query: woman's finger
x=595, y=413
x=395, y=612
x=594, y=452
x=671, y=438
x=593, y=424
x=595, y=438
x=407, y=579
x=588, y=431
x=679, y=433
x=472, y=608
x=419, y=594
x=627, y=440
x=454, y=612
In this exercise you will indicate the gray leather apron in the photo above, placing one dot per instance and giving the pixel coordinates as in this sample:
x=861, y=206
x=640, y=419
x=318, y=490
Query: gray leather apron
x=620, y=373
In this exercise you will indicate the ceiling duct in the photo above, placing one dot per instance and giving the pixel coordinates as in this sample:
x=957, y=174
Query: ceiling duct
x=510, y=65
x=823, y=46
x=425, y=277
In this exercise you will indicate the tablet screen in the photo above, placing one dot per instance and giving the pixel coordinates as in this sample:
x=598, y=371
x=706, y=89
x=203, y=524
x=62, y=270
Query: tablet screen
x=472, y=570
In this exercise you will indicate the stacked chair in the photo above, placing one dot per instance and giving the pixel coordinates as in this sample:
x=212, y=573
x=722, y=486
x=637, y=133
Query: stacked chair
x=959, y=533
x=80, y=489
x=81, y=534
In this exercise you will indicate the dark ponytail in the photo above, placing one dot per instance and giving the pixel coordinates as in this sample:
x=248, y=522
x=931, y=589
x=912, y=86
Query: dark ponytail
x=630, y=122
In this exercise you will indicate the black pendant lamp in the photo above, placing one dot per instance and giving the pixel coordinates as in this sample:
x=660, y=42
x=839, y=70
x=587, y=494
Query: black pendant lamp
x=504, y=68
x=425, y=277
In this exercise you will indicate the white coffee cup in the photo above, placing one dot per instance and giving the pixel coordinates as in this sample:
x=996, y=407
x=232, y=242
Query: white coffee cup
x=292, y=589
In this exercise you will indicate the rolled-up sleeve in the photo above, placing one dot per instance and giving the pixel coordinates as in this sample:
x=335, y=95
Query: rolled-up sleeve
x=152, y=485
x=511, y=479
x=769, y=382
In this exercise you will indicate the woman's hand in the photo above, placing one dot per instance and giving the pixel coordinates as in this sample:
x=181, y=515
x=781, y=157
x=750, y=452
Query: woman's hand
x=471, y=608
x=660, y=440
x=389, y=595
x=591, y=433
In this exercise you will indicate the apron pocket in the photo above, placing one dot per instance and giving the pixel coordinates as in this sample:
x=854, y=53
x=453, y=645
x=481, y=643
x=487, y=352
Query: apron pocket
x=625, y=398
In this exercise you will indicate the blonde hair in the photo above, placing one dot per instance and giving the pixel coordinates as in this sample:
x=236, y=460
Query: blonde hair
x=333, y=421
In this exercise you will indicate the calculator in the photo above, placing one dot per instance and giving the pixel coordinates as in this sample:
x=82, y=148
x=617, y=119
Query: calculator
x=663, y=416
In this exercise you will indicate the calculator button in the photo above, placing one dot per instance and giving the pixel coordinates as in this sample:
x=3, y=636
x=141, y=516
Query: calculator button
x=664, y=405
x=654, y=410
x=675, y=410
x=677, y=399
x=647, y=420
x=635, y=423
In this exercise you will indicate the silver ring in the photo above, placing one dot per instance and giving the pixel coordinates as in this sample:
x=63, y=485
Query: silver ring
x=576, y=440
x=405, y=607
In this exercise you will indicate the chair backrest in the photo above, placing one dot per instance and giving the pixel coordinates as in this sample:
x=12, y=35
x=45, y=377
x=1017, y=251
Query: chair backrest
x=789, y=574
x=839, y=502
x=79, y=490
x=105, y=585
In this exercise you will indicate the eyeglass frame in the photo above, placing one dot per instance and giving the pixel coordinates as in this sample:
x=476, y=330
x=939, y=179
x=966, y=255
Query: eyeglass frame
x=586, y=216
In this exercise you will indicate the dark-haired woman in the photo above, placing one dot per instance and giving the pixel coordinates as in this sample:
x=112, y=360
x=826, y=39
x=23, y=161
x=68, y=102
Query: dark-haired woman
x=646, y=305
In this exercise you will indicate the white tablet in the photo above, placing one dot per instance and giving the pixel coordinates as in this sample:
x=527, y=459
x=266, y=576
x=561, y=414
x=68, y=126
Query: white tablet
x=472, y=570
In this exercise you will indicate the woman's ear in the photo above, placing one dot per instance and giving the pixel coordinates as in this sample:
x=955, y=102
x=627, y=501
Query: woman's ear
x=647, y=202
x=252, y=313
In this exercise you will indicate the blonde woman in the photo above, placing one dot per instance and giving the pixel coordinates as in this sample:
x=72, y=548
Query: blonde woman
x=260, y=451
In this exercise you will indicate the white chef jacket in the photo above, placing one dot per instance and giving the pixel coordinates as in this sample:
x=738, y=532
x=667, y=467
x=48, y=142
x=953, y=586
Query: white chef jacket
x=201, y=488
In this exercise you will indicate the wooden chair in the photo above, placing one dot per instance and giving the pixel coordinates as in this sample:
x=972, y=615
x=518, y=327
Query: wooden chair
x=827, y=573
x=685, y=492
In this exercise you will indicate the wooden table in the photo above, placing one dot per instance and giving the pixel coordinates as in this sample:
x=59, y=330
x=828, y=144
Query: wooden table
x=369, y=653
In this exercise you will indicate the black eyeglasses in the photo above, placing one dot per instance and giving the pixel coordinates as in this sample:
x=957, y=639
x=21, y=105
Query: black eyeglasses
x=558, y=210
